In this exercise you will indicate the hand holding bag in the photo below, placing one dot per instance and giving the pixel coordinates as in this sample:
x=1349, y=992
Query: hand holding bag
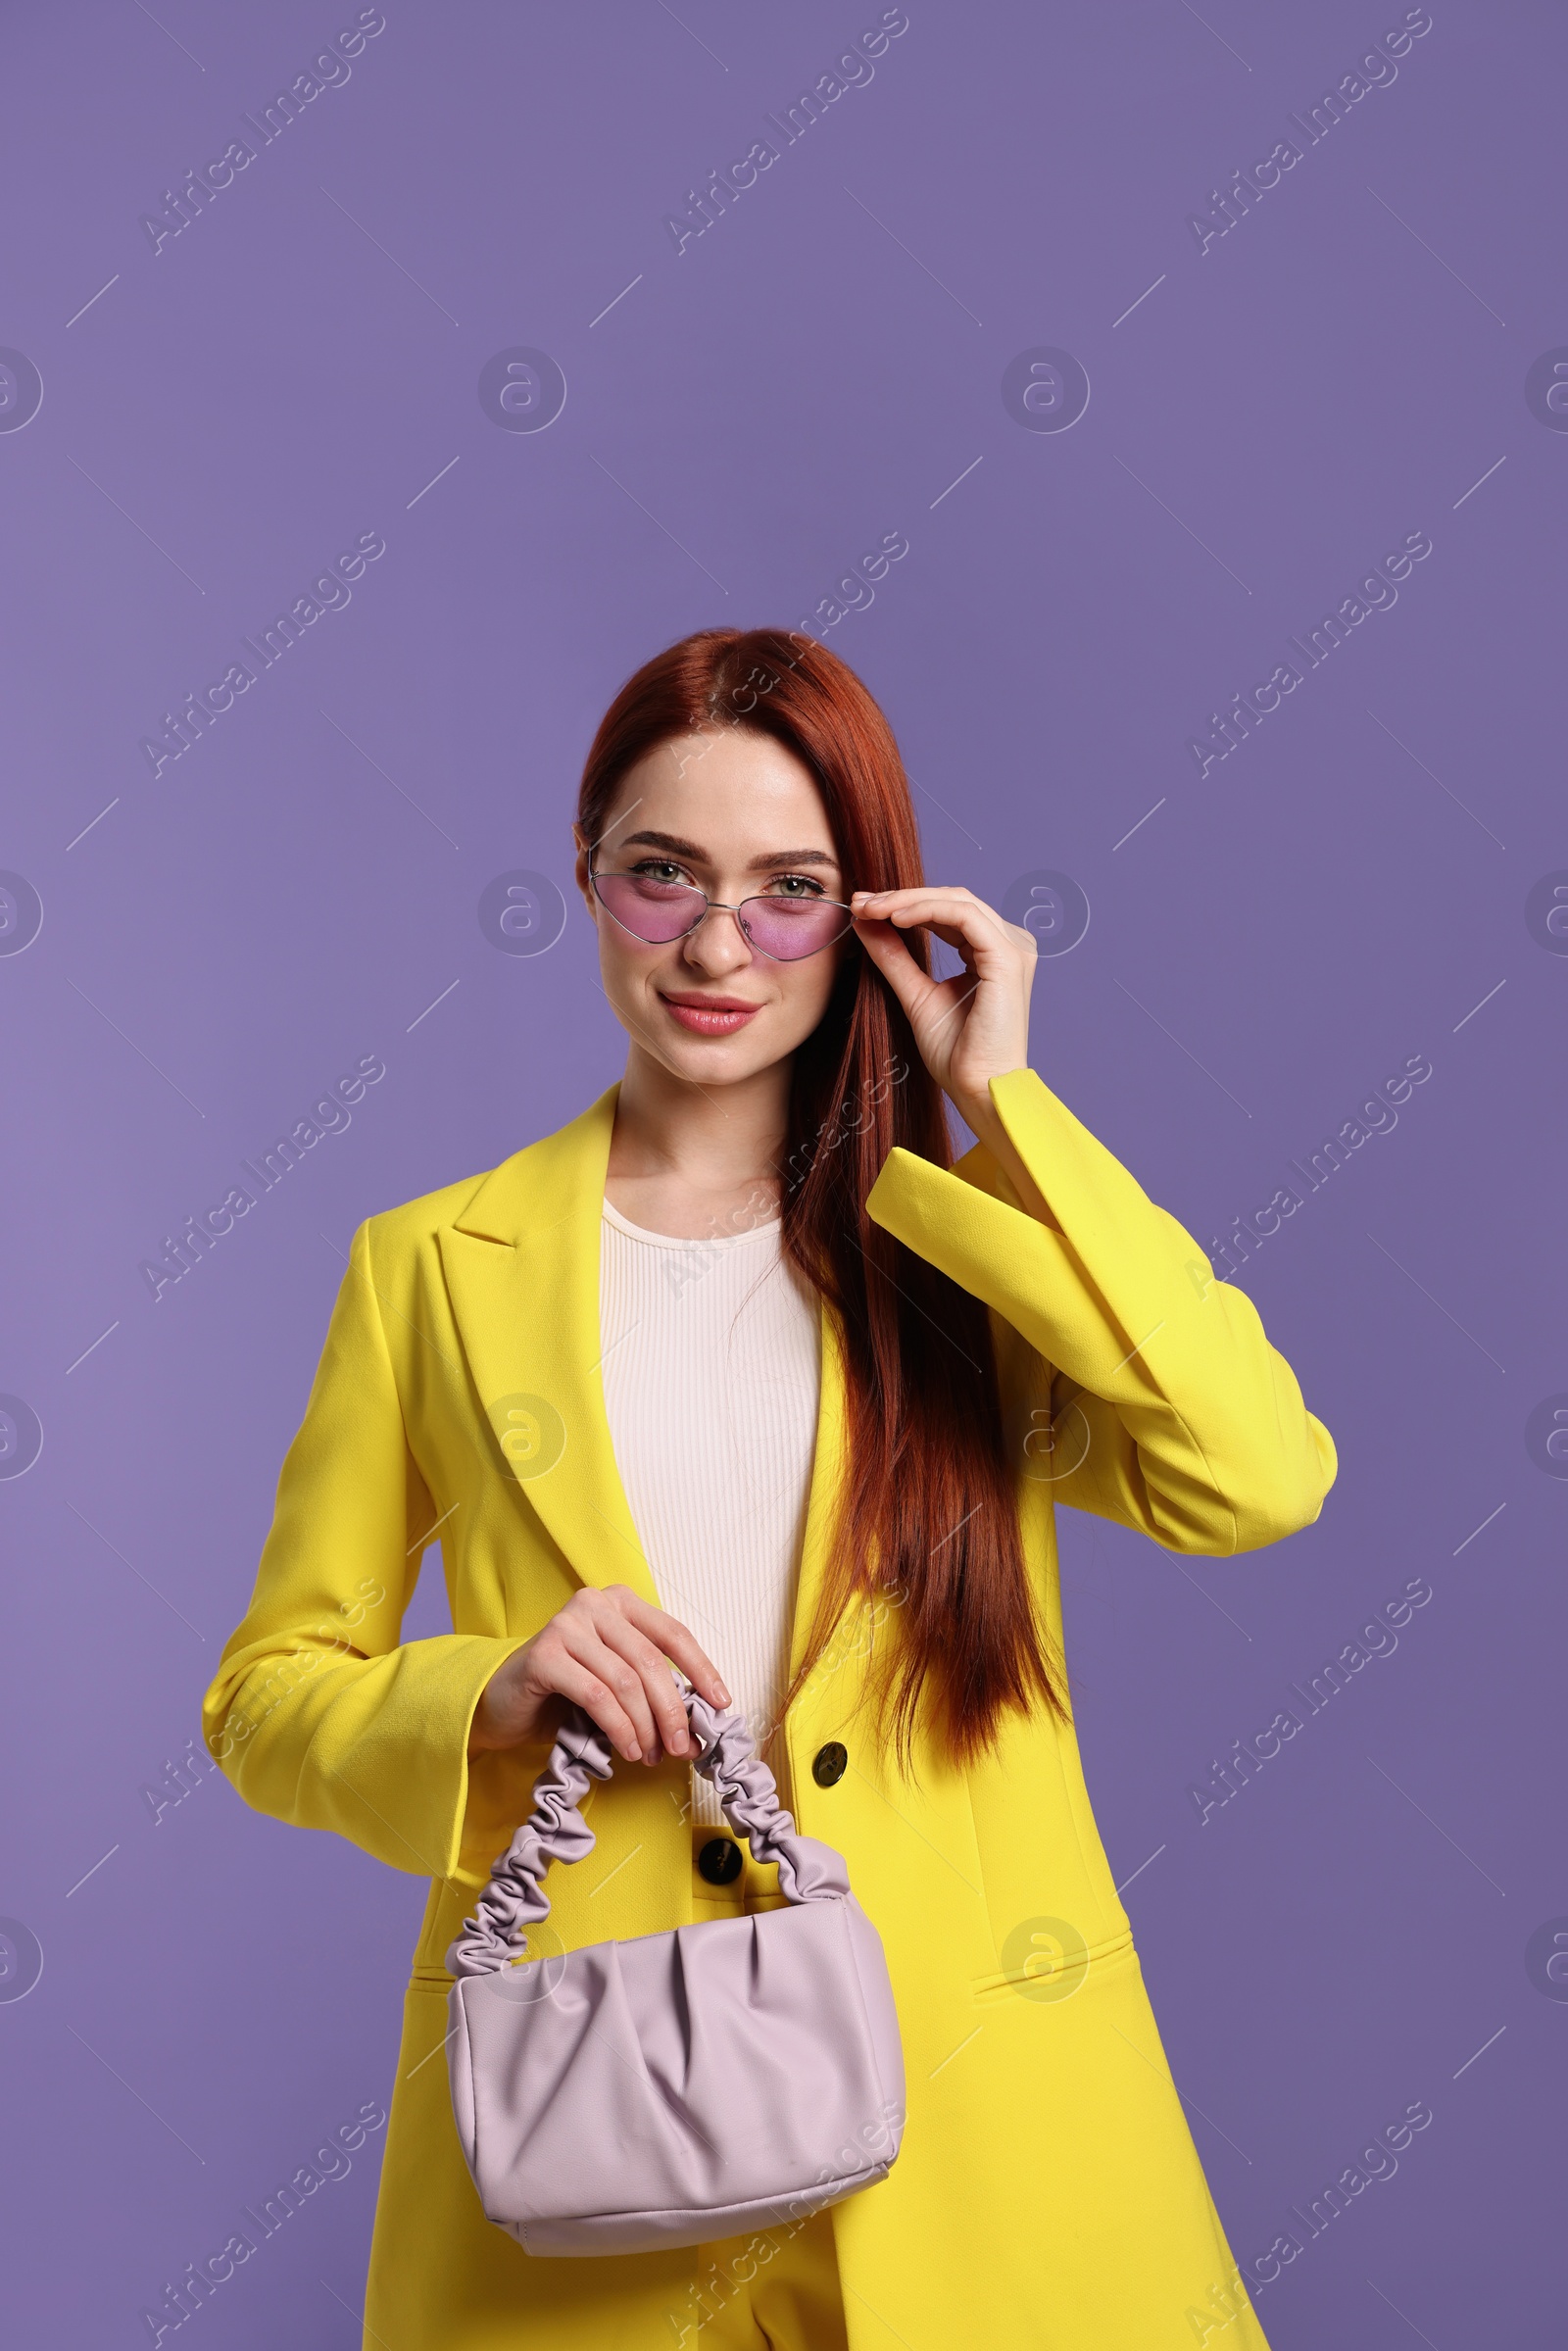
x=633, y=2096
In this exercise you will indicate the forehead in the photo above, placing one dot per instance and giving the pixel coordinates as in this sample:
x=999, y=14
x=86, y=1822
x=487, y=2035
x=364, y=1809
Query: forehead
x=731, y=790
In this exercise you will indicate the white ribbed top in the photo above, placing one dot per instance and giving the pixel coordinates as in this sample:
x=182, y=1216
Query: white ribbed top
x=712, y=1378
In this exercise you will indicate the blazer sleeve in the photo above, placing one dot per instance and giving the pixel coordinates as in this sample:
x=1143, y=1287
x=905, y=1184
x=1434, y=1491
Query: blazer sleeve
x=1173, y=1413
x=318, y=1714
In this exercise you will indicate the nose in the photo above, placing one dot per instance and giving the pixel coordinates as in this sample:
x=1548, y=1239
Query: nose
x=718, y=945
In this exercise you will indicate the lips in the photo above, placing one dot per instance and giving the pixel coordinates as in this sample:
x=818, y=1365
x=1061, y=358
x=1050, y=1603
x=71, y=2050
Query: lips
x=711, y=1015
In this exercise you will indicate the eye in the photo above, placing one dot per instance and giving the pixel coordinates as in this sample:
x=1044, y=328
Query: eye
x=659, y=869
x=795, y=885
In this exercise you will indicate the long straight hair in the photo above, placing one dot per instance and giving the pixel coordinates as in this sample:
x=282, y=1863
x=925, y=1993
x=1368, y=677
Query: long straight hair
x=928, y=1521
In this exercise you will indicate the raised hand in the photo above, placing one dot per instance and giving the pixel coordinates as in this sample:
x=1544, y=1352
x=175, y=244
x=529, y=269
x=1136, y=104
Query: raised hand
x=975, y=1026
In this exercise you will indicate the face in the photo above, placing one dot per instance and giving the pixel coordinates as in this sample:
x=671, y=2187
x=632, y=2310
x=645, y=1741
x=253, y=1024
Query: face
x=735, y=815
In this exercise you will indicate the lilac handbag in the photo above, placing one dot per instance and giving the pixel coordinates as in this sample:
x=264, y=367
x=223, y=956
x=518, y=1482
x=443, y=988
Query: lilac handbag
x=632, y=2096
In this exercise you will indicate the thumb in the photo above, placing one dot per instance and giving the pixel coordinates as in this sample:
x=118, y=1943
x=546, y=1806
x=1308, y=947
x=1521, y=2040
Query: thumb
x=890, y=952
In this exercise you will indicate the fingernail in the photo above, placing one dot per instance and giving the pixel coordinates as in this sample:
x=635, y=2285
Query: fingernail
x=651, y=1756
x=724, y=1698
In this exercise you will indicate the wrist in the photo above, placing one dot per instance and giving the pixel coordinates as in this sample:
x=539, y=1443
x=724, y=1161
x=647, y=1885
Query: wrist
x=480, y=1740
x=976, y=1108
x=981, y=1116
x=504, y=1711
x=495, y=1737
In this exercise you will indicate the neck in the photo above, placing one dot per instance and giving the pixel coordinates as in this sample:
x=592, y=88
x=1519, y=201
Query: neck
x=716, y=1139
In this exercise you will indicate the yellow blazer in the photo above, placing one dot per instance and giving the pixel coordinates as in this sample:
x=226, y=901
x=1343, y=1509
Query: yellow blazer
x=1048, y=2192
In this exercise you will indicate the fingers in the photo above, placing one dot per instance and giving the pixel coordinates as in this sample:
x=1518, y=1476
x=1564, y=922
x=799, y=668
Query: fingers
x=911, y=904
x=945, y=910
x=654, y=1694
x=606, y=1651
x=626, y=1703
x=892, y=957
x=607, y=1685
x=564, y=1677
x=673, y=1636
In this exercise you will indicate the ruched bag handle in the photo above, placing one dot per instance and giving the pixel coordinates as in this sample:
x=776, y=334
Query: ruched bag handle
x=514, y=1900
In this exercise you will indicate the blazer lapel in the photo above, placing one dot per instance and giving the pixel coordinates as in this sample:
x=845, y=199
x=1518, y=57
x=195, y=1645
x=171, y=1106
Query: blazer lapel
x=522, y=1262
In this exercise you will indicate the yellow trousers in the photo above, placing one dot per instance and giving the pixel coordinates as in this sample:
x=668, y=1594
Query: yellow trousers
x=778, y=2288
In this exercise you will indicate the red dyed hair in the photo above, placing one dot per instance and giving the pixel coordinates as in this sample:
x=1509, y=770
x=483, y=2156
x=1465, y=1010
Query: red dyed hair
x=929, y=1512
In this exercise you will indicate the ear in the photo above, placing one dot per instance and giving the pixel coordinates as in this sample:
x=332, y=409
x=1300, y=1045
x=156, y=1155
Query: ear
x=580, y=873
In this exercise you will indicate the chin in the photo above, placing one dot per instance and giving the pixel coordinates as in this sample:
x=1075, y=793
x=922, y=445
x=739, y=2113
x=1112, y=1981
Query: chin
x=719, y=1060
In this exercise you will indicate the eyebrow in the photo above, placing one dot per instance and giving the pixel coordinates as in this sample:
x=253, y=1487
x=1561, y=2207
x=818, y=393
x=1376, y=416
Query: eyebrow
x=700, y=856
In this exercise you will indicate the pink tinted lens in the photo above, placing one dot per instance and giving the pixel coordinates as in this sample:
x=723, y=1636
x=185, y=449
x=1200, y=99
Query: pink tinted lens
x=788, y=928
x=656, y=911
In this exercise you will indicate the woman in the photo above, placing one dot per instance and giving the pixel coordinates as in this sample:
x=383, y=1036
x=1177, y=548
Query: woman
x=737, y=1371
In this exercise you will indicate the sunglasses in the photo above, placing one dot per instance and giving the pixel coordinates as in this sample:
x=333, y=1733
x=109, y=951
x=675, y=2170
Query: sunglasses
x=784, y=929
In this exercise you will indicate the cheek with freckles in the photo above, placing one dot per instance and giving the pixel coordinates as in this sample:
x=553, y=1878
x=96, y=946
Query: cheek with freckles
x=803, y=993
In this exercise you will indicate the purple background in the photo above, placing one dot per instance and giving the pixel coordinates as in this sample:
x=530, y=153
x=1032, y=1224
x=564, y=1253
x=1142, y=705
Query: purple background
x=1267, y=417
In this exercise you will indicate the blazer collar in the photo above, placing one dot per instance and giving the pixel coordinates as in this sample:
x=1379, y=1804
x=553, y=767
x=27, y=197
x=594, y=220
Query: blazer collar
x=540, y=1186
x=522, y=1262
